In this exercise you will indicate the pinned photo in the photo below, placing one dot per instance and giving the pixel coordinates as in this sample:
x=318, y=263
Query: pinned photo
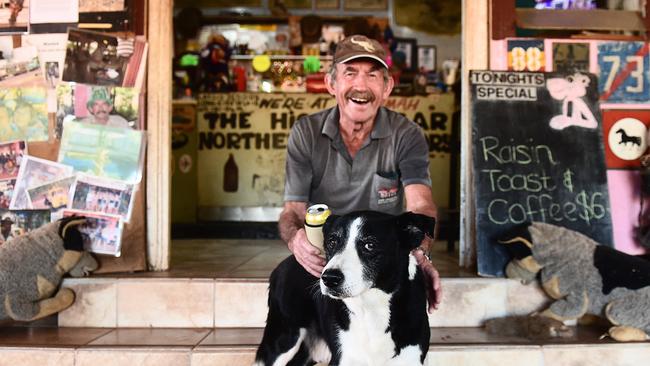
x=23, y=114
x=104, y=151
x=103, y=195
x=14, y=16
x=17, y=223
x=11, y=155
x=51, y=196
x=34, y=172
x=6, y=191
x=101, y=233
x=93, y=58
x=101, y=105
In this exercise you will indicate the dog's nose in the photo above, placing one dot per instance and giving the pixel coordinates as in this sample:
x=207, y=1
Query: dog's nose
x=332, y=277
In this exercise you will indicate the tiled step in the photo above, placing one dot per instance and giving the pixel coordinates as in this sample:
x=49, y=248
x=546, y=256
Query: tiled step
x=217, y=302
x=236, y=347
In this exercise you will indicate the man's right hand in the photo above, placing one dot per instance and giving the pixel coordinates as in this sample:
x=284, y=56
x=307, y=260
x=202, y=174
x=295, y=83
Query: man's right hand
x=306, y=254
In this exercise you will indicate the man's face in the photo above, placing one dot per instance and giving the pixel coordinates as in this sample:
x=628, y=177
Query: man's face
x=6, y=226
x=359, y=89
x=101, y=109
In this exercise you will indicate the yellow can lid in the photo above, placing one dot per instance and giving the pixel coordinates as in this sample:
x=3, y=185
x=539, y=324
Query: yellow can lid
x=317, y=214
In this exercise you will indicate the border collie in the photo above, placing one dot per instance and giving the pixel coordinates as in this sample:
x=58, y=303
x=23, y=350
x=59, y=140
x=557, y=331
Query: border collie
x=369, y=306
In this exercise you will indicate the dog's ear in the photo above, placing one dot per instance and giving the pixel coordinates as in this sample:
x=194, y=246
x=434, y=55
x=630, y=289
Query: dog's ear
x=412, y=227
x=331, y=219
x=518, y=242
x=69, y=232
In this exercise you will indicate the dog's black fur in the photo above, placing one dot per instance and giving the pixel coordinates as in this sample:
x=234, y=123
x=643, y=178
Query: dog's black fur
x=301, y=318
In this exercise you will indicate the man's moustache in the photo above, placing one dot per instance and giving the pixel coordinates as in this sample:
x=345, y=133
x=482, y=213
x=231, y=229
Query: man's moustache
x=360, y=95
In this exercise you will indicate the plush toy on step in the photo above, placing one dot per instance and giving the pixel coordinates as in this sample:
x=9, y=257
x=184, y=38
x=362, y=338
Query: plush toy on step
x=32, y=266
x=583, y=278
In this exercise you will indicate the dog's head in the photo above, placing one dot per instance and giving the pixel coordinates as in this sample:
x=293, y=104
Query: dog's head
x=519, y=245
x=370, y=250
x=75, y=260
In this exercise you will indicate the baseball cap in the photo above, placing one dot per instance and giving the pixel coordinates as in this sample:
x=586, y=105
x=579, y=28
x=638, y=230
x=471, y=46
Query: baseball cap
x=100, y=93
x=358, y=46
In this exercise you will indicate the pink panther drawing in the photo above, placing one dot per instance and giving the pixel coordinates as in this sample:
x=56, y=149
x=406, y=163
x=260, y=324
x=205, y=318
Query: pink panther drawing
x=575, y=111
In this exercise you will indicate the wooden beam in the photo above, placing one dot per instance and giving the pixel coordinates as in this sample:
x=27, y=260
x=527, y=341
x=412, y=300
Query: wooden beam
x=159, y=108
x=576, y=19
x=502, y=19
x=475, y=56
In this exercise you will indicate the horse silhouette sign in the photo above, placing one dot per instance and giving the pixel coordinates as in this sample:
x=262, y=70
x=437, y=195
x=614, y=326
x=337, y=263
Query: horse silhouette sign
x=626, y=139
x=537, y=156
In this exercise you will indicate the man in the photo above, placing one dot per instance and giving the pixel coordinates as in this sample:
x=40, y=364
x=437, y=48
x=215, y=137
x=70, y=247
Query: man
x=100, y=106
x=357, y=155
x=5, y=229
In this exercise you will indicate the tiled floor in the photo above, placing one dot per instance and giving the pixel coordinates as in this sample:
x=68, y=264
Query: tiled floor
x=237, y=258
x=234, y=337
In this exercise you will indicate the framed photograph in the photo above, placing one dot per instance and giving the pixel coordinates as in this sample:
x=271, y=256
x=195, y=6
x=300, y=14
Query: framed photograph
x=427, y=58
x=365, y=4
x=405, y=54
x=326, y=4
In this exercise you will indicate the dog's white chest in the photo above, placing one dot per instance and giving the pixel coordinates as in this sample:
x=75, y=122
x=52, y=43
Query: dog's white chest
x=367, y=341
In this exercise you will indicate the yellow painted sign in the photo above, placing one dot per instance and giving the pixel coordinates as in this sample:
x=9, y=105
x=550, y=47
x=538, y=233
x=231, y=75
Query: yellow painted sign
x=242, y=141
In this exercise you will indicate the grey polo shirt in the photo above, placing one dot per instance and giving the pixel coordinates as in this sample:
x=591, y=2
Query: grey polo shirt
x=319, y=168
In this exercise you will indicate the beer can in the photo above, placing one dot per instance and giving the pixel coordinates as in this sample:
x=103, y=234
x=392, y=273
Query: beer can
x=314, y=221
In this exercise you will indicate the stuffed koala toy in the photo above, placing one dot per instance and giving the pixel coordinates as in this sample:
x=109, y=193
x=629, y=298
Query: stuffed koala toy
x=32, y=266
x=583, y=278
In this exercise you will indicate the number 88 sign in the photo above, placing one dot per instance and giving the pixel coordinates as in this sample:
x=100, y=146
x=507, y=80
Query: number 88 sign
x=624, y=72
x=525, y=55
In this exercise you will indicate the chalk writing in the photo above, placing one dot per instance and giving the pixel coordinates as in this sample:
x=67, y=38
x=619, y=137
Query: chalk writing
x=522, y=154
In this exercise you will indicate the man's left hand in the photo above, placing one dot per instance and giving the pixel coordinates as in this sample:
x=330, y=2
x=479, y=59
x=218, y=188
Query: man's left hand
x=431, y=279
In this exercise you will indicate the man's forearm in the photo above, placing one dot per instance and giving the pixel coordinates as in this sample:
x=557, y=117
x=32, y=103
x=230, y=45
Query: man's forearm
x=288, y=225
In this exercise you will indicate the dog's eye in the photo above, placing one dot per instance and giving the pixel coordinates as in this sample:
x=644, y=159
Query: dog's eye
x=369, y=246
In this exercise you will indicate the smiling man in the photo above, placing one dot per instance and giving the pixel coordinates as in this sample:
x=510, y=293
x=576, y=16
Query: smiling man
x=356, y=156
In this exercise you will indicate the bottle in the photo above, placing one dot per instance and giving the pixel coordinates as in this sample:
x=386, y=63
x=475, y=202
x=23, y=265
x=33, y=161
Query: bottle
x=230, y=175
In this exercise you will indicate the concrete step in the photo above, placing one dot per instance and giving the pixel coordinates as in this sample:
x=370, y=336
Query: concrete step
x=199, y=302
x=21, y=346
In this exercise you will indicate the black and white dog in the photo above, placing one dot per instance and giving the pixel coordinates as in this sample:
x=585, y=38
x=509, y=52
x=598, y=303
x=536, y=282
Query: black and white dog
x=371, y=305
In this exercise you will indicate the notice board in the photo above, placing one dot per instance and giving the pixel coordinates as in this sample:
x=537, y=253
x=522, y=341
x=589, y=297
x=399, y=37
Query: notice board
x=537, y=156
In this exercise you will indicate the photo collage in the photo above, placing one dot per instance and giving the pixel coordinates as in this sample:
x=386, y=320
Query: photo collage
x=80, y=91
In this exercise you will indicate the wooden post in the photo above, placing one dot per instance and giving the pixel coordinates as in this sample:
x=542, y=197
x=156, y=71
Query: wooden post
x=159, y=105
x=475, y=56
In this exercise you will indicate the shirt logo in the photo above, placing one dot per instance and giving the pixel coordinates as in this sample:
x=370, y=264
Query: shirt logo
x=387, y=195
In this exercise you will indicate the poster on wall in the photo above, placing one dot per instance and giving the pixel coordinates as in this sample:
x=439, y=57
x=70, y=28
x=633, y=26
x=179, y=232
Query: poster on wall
x=530, y=159
x=570, y=56
x=625, y=137
x=624, y=72
x=242, y=140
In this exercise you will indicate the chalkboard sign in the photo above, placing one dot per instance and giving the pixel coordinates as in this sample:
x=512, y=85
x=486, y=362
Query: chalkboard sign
x=537, y=156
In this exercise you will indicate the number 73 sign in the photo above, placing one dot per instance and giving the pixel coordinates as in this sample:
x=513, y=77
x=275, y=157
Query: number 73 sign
x=624, y=72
